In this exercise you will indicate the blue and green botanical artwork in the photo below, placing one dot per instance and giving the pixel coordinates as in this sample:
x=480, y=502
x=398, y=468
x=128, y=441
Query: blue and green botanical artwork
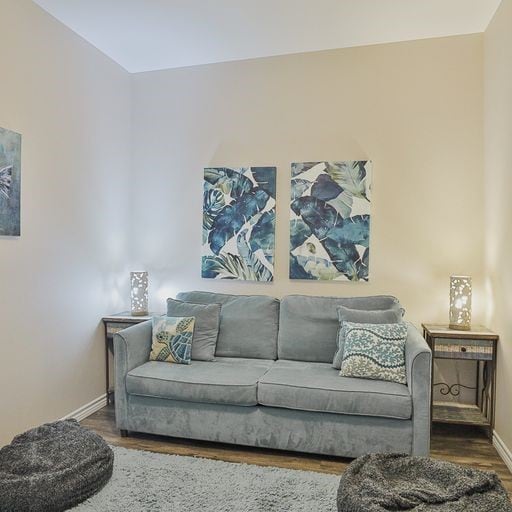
x=10, y=178
x=330, y=220
x=239, y=210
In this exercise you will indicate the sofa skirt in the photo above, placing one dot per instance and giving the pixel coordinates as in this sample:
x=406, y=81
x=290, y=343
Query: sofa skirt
x=268, y=427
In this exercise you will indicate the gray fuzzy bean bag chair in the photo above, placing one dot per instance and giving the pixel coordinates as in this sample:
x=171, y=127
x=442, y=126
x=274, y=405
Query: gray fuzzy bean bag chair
x=386, y=483
x=52, y=468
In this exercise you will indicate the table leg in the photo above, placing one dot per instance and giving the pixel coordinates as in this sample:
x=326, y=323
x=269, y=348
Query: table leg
x=493, y=391
x=107, y=374
x=477, y=390
x=431, y=344
x=485, y=389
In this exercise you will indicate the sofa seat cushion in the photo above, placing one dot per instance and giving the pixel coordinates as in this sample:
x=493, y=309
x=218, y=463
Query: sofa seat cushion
x=318, y=387
x=224, y=381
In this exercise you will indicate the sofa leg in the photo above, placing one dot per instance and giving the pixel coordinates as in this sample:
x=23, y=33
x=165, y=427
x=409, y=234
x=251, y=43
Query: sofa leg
x=124, y=433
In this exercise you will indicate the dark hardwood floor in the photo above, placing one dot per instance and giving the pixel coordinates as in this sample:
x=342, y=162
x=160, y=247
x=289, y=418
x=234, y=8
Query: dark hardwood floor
x=463, y=445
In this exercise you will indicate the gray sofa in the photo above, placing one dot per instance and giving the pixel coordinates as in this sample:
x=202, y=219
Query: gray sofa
x=272, y=383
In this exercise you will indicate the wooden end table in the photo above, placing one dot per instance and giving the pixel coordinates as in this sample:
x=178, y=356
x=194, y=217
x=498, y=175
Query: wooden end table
x=480, y=345
x=115, y=323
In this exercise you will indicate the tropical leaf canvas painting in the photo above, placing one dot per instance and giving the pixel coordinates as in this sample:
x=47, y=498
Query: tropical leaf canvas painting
x=330, y=220
x=239, y=209
x=10, y=177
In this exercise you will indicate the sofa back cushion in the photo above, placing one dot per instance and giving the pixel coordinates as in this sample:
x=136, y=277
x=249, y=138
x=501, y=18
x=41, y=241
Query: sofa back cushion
x=308, y=326
x=248, y=323
x=206, y=326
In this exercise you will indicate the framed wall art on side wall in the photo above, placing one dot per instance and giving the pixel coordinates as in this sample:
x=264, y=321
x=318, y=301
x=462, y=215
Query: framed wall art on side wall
x=10, y=182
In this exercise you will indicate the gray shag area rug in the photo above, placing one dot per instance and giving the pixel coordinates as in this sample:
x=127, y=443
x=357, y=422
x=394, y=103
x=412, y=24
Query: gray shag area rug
x=387, y=483
x=52, y=468
x=154, y=482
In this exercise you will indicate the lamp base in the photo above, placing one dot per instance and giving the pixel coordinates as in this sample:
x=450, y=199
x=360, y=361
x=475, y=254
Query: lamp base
x=457, y=327
x=140, y=313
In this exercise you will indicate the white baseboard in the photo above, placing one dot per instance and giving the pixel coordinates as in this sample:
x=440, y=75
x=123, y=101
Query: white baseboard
x=86, y=410
x=503, y=450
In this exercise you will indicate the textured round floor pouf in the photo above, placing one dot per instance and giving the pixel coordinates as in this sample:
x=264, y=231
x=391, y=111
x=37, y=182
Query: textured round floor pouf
x=53, y=467
x=393, y=482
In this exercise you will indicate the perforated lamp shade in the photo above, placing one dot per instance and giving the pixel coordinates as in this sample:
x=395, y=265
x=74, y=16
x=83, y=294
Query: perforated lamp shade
x=460, y=303
x=139, y=293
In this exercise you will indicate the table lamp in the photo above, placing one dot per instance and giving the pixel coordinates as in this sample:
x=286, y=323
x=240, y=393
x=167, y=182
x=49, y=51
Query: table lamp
x=460, y=303
x=139, y=293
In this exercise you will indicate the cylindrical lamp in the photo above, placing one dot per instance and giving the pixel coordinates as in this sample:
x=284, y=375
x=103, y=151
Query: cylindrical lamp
x=139, y=293
x=460, y=303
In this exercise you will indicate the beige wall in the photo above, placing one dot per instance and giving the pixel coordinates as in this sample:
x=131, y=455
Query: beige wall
x=72, y=106
x=498, y=206
x=413, y=108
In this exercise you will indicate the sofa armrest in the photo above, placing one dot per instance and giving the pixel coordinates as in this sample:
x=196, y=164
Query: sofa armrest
x=131, y=349
x=418, y=361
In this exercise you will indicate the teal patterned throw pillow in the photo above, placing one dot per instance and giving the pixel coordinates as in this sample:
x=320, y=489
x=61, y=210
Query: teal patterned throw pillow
x=172, y=339
x=374, y=351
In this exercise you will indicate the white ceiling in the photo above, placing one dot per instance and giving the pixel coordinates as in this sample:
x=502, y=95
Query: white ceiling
x=145, y=35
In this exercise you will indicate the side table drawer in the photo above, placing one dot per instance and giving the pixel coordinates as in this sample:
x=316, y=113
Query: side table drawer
x=463, y=349
x=112, y=328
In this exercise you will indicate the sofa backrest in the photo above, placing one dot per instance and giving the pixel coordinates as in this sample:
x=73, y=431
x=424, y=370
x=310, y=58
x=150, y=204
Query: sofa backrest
x=248, y=323
x=308, y=326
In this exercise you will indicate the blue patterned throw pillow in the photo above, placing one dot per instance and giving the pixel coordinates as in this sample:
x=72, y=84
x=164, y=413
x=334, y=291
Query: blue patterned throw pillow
x=392, y=315
x=374, y=351
x=172, y=339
